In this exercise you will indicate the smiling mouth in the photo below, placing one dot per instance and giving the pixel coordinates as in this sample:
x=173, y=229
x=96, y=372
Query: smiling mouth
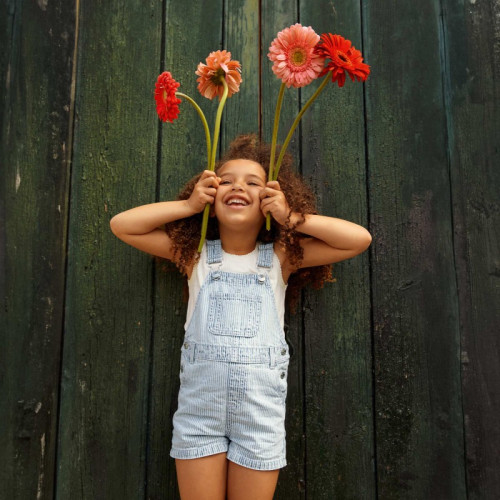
x=237, y=202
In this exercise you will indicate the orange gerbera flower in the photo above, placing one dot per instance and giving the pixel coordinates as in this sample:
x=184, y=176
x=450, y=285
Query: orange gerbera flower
x=344, y=58
x=219, y=65
x=167, y=104
x=293, y=56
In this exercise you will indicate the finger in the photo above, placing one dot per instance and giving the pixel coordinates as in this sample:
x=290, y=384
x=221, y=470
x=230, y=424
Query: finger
x=207, y=174
x=207, y=198
x=266, y=204
x=274, y=185
x=267, y=192
x=211, y=191
x=210, y=180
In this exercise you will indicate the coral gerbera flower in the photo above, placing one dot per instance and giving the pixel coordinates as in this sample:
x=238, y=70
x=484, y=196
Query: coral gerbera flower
x=344, y=58
x=293, y=56
x=218, y=65
x=167, y=104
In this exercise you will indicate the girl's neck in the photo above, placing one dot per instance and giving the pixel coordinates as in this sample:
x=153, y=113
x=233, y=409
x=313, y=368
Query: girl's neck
x=237, y=242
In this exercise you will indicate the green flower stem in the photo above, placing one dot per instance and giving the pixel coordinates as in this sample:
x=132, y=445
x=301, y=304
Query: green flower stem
x=296, y=122
x=203, y=120
x=217, y=122
x=211, y=167
x=275, y=129
x=273, y=143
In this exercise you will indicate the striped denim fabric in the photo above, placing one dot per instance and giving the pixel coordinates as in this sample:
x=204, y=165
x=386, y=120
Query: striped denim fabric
x=234, y=368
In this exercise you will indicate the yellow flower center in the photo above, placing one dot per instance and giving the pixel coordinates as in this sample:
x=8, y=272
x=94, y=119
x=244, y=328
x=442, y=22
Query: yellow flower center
x=298, y=56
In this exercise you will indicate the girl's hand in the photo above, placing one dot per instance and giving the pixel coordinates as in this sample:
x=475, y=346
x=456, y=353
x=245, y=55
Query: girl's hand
x=204, y=191
x=274, y=201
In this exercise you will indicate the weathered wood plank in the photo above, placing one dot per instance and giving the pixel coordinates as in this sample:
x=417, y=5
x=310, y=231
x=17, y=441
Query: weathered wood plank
x=472, y=97
x=276, y=16
x=37, y=42
x=105, y=370
x=241, y=38
x=193, y=30
x=417, y=344
x=339, y=422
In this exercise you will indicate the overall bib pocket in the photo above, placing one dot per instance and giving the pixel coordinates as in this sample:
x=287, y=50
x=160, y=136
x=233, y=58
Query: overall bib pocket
x=233, y=314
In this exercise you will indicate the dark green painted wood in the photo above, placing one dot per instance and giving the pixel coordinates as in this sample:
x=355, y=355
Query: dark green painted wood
x=388, y=369
x=276, y=16
x=338, y=405
x=470, y=41
x=241, y=38
x=37, y=47
x=108, y=316
x=419, y=421
x=192, y=31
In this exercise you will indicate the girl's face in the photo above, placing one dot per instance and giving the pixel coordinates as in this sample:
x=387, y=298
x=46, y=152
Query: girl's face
x=237, y=200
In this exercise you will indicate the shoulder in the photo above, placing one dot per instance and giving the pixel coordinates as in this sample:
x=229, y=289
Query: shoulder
x=286, y=268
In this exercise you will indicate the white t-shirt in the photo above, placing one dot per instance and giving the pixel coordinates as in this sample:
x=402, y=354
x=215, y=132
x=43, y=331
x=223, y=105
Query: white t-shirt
x=243, y=264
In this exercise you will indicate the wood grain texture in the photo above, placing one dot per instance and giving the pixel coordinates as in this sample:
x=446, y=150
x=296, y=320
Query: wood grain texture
x=241, y=38
x=109, y=301
x=394, y=373
x=338, y=403
x=192, y=31
x=276, y=16
x=37, y=47
x=418, y=413
x=472, y=97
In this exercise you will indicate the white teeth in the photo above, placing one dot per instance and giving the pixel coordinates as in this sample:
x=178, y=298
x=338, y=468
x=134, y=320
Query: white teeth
x=236, y=201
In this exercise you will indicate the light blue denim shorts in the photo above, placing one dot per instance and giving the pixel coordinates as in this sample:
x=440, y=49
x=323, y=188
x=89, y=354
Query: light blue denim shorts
x=232, y=399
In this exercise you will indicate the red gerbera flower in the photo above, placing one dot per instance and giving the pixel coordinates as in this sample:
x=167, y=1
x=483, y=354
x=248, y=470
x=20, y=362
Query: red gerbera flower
x=167, y=104
x=344, y=58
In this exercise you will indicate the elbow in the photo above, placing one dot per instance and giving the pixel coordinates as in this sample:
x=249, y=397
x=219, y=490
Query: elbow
x=365, y=242
x=113, y=224
x=368, y=241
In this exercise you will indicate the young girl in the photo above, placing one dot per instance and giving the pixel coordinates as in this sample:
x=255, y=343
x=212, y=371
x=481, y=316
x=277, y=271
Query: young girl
x=229, y=428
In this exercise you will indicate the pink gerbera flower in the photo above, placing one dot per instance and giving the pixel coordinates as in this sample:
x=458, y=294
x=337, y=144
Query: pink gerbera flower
x=293, y=55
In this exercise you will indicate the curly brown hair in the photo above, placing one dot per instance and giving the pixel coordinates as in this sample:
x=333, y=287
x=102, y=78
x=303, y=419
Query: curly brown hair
x=185, y=233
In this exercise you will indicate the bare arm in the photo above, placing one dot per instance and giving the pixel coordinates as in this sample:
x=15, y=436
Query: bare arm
x=143, y=219
x=333, y=240
x=139, y=226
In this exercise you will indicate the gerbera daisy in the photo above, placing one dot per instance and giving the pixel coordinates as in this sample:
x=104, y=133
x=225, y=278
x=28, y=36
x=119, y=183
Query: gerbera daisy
x=218, y=65
x=293, y=56
x=167, y=104
x=344, y=58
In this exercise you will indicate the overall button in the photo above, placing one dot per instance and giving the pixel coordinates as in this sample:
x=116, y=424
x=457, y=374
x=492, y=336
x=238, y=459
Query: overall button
x=261, y=278
x=186, y=345
x=216, y=276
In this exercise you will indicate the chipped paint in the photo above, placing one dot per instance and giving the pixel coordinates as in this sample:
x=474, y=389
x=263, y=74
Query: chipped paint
x=41, y=473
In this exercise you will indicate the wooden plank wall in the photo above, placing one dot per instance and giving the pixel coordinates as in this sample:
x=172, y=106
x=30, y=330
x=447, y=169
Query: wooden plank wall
x=394, y=377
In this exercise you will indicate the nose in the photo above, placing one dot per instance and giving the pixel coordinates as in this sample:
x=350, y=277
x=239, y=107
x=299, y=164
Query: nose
x=236, y=185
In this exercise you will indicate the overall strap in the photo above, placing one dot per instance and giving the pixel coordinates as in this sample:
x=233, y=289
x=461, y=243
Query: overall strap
x=214, y=251
x=265, y=257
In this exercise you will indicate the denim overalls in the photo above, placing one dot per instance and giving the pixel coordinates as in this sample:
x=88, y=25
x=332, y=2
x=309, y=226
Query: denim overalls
x=233, y=373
